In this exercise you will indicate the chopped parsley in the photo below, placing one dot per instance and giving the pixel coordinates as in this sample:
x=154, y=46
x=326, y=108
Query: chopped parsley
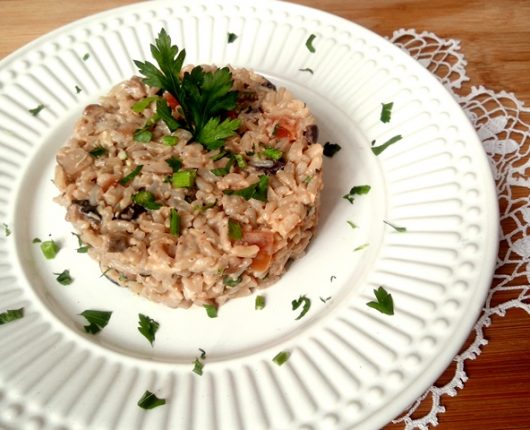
x=256, y=191
x=77, y=89
x=330, y=149
x=203, y=353
x=204, y=97
x=11, y=315
x=164, y=112
x=303, y=301
x=235, y=232
x=384, y=303
x=307, y=69
x=332, y=278
x=231, y=282
x=184, y=178
x=281, y=357
x=174, y=222
x=174, y=163
x=143, y=104
x=83, y=249
x=378, y=149
x=197, y=367
x=147, y=327
x=309, y=43
x=98, y=151
x=324, y=300
x=128, y=178
x=86, y=56
x=150, y=401
x=36, y=240
x=395, y=227
x=170, y=140
x=352, y=224
x=97, y=320
x=386, y=112
x=241, y=163
x=272, y=153
x=7, y=231
x=142, y=135
x=361, y=247
x=35, y=111
x=211, y=310
x=231, y=37
x=308, y=179
x=223, y=171
x=259, y=303
x=357, y=191
x=146, y=199
x=50, y=249
x=64, y=277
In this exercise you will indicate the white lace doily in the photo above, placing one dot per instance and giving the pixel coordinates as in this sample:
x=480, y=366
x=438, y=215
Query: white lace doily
x=497, y=118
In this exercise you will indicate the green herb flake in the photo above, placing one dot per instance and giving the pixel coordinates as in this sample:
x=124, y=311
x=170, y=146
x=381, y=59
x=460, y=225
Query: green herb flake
x=174, y=222
x=174, y=163
x=357, y=191
x=231, y=37
x=241, y=163
x=77, y=89
x=272, y=153
x=64, y=277
x=330, y=149
x=231, y=282
x=309, y=43
x=325, y=300
x=256, y=191
x=147, y=327
x=128, y=178
x=142, y=135
x=98, y=151
x=97, y=320
x=214, y=132
x=86, y=56
x=303, y=301
x=220, y=155
x=384, y=303
x=197, y=367
x=211, y=310
x=203, y=207
x=7, y=231
x=259, y=303
x=203, y=353
x=378, y=149
x=11, y=315
x=352, y=224
x=35, y=111
x=281, y=357
x=150, y=401
x=184, y=178
x=307, y=69
x=386, y=112
x=361, y=247
x=36, y=240
x=165, y=113
x=50, y=249
x=223, y=171
x=235, y=232
x=83, y=249
x=395, y=227
x=143, y=104
x=146, y=199
x=170, y=140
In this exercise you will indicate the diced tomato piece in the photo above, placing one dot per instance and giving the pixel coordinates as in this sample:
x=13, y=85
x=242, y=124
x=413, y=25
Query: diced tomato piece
x=265, y=241
x=284, y=130
x=171, y=100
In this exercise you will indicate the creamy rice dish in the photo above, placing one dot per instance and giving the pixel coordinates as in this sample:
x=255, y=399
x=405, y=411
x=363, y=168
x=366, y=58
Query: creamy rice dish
x=180, y=222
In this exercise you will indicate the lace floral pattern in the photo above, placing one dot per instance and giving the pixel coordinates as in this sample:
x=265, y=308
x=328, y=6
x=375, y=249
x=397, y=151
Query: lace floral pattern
x=499, y=119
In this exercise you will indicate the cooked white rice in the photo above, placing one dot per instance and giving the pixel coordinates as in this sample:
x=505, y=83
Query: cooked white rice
x=134, y=246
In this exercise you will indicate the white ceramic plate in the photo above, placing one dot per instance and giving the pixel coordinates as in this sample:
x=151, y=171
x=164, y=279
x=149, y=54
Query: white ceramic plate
x=350, y=366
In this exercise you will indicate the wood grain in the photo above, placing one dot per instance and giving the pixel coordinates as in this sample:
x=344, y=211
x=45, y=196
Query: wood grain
x=495, y=38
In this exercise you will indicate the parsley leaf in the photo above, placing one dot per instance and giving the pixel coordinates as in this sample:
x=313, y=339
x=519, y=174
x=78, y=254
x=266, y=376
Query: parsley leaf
x=231, y=282
x=143, y=104
x=309, y=43
x=357, y=191
x=147, y=327
x=386, y=111
x=198, y=366
x=164, y=113
x=174, y=163
x=97, y=320
x=211, y=310
x=395, y=227
x=86, y=56
x=146, y=199
x=7, y=231
x=281, y=357
x=214, y=132
x=235, y=232
x=378, y=149
x=302, y=300
x=324, y=300
x=128, y=178
x=11, y=315
x=142, y=135
x=150, y=401
x=50, y=249
x=98, y=151
x=231, y=37
x=77, y=89
x=307, y=69
x=203, y=353
x=35, y=111
x=330, y=149
x=384, y=303
x=64, y=277
x=256, y=191
x=83, y=249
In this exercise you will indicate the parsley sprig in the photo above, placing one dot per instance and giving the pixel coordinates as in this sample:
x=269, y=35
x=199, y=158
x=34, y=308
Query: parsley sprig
x=384, y=303
x=204, y=97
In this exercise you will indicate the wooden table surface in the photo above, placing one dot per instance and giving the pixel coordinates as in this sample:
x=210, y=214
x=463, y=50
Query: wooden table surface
x=495, y=39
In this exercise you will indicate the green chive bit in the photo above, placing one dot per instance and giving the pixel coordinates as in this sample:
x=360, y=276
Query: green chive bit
x=211, y=311
x=260, y=303
x=184, y=178
x=50, y=249
x=170, y=140
x=281, y=357
x=174, y=222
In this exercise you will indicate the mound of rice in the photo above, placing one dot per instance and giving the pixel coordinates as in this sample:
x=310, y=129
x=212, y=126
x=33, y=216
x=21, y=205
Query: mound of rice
x=203, y=264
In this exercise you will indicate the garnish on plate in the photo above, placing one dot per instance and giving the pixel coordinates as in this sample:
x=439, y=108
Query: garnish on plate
x=129, y=177
x=361, y=247
x=97, y=320
x=396, y=227
x=231, y=37
x=384, y=303
x=36, y=110
x=211, y=310
x=358, y=190
x=7, y=231
x=64, y=277
x=11, y=315
x=303, y=301
x=259, y=304
x=148, y=327
x=309, y=43
x=49, y=249
x=281, y=357
x=150, y=401
x=330, y=149
x=378, y=149
x=307, y=69
x=386, y=112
